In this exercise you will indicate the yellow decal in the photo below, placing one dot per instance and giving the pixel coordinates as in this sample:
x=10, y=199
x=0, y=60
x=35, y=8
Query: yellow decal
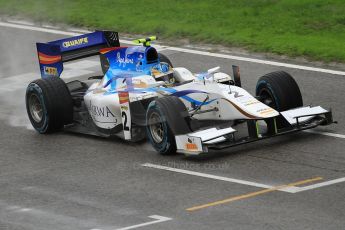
x=50, y=71
x=268, y=110
x=251, y=102
x=191, y=147
x=124, y=107
x=76, y=42
x=155, y=73
x=140, y=84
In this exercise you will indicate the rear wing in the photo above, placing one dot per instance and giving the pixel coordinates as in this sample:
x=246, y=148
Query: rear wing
x=52, y=55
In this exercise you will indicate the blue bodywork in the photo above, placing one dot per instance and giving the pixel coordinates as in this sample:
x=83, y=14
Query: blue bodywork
x=51, y=55
x=124, y=62
x=128, y=62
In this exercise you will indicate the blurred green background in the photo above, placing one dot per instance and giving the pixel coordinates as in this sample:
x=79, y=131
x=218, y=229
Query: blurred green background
x=310, y=28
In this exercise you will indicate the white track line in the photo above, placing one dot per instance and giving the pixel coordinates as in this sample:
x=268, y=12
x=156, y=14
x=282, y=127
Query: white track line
x=21, y=22
x=322, y=184
x=158, y=219
x=38, y=29
x=254, y=60
x=326, y=133
x=205, y=53
x=73, y=69
x=291, y=189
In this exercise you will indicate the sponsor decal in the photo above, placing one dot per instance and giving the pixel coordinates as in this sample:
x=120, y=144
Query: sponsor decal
x=51, y=71
x=252, y=102
x=190, y=146
x=100, y=111
x=241, y=110
x=125, y=114
x=139, y=83
x=237, y=94
x=138, y=66
x=123, y=107
x=76, y=42
x=123, y=97
x=48, y=59
x=124, y=60
x=265, y=111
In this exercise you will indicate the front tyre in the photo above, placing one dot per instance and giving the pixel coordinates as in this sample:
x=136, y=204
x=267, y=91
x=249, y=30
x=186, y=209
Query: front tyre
x=49, y=104
x=166, y=117
x=158, y=130
x=279, y=91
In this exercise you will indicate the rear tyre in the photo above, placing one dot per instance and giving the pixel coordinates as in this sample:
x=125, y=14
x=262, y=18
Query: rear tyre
x=49, y=104
x=170, y=77
x=163, y=58
x=279, y=91
x=165, y=118
x=104, y=63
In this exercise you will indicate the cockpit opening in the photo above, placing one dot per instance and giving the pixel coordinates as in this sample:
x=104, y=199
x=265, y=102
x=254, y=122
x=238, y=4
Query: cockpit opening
x=151, y=55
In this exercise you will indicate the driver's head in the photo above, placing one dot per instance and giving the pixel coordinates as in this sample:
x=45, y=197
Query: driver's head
x=163, y=72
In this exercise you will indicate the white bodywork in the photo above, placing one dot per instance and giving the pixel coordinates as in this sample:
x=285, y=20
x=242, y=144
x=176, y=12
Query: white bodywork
x=303, y=114
x=229, y=102
x=224, y=102
x=104, y=112
x=192, y=143
x=106, y=108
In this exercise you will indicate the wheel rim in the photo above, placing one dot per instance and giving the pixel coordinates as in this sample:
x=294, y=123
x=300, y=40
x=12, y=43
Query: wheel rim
x=36, y=108
x=267, y=99
x=156, y=127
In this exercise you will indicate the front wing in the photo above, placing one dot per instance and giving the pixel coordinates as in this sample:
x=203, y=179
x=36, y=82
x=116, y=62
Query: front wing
x=213, y=138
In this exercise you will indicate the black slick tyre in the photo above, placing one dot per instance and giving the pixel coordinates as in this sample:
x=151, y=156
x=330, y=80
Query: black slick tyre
x=165, y=118
x=279, y=91
x=163, y=58
x=49, y=104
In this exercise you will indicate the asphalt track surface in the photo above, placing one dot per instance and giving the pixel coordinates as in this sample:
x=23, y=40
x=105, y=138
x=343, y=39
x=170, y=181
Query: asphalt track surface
x=68, y=181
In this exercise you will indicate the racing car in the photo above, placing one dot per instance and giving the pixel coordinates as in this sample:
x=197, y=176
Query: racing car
x=141, y=95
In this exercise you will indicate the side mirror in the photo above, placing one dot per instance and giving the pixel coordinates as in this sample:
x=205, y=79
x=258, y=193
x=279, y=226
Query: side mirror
x=237, y=76
x=213, y=70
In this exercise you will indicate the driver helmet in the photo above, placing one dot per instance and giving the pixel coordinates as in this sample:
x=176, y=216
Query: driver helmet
x=163, y=72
